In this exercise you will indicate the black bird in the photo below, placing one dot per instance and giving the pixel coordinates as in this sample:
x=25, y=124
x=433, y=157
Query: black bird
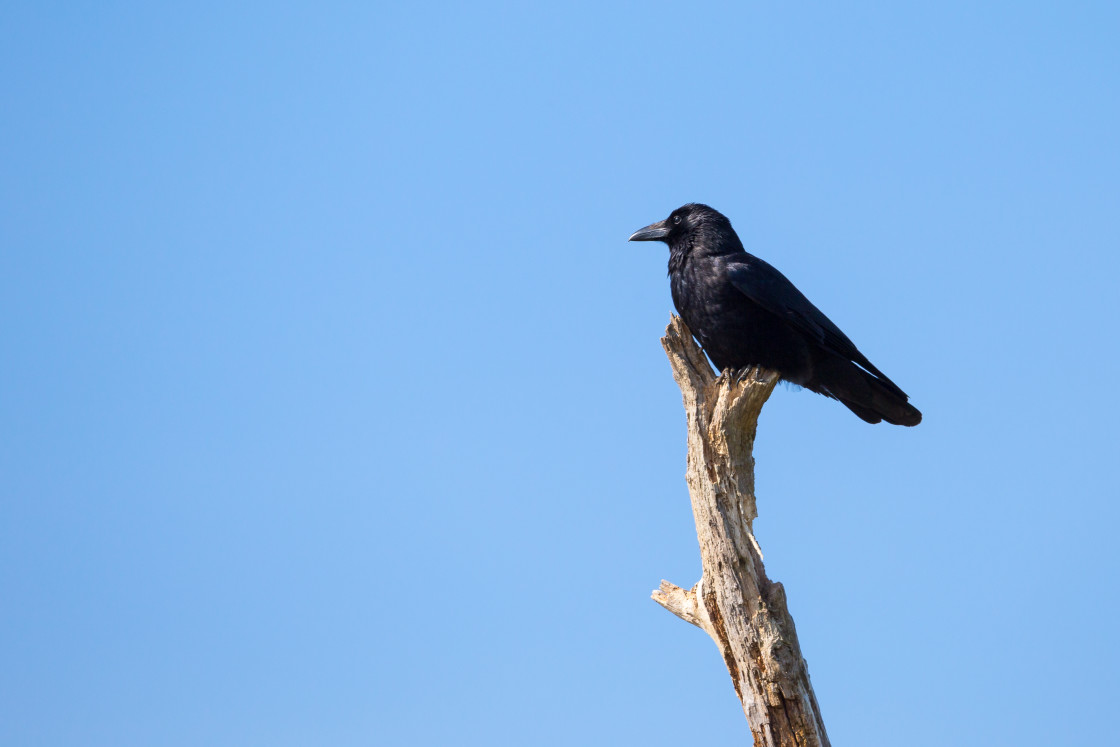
x=746, y=313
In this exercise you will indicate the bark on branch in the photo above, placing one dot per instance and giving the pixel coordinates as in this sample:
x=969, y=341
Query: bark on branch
x=734, y=602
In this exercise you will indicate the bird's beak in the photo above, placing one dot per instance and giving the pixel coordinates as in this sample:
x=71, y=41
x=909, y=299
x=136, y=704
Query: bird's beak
x=658, y=231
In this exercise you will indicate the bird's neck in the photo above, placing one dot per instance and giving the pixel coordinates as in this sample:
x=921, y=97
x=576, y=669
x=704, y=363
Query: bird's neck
x=681, y=255
x=678, y=258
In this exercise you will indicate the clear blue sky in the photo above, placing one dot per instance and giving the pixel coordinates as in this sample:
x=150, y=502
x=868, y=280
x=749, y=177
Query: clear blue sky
x=332, y=408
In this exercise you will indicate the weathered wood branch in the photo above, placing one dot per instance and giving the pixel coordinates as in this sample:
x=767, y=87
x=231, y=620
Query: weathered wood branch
x=734, y=602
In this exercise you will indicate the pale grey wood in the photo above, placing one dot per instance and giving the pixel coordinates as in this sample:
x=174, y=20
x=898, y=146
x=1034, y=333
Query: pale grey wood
x=734, y=602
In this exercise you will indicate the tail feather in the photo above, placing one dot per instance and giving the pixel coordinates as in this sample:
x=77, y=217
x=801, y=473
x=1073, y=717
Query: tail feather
x=862, y=393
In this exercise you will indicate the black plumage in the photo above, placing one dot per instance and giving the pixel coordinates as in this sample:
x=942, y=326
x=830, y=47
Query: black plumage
x=744, y=313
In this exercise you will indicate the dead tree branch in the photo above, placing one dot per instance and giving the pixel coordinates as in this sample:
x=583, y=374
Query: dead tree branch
x=734, y=602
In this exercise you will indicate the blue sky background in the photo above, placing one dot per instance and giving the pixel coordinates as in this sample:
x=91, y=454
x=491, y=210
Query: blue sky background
x=332, y=408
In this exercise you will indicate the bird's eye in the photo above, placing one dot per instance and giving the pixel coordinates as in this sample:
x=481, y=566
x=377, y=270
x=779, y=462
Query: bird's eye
x=676, y=220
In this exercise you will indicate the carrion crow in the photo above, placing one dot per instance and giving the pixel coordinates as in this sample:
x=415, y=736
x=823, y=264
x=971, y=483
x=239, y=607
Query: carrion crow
x=745, y=313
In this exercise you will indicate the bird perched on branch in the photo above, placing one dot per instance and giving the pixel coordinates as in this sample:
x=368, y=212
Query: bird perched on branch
x=746, y=313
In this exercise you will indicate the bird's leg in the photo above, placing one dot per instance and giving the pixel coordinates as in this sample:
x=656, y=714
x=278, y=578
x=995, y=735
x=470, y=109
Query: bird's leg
x=741, y=375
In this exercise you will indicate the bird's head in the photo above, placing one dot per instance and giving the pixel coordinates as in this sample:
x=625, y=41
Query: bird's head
x=692, y=225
